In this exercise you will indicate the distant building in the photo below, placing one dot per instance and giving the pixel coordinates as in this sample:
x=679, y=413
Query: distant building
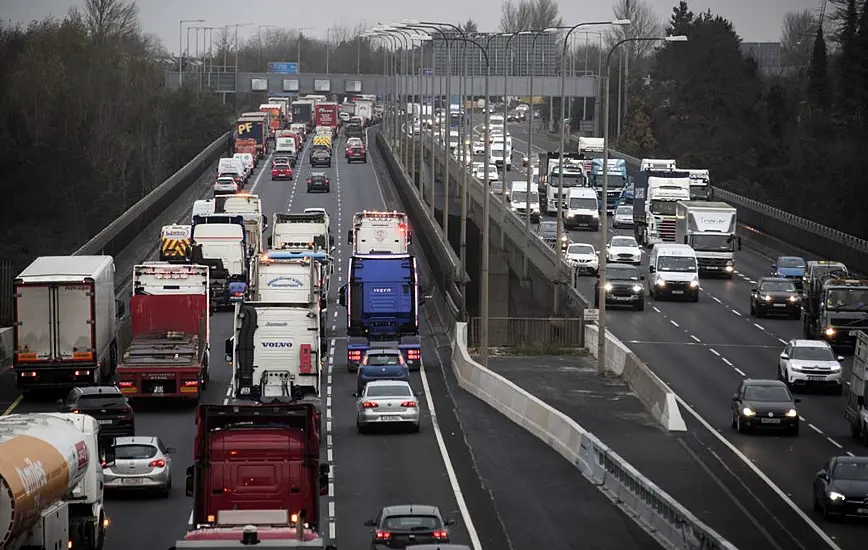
x=542, y=62
x=769, y=58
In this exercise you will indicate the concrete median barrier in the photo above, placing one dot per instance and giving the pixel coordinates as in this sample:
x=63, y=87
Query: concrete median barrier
x=643, y=501
x=649, y=388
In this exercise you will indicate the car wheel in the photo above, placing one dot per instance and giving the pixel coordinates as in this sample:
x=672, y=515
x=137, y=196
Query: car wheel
x=415, y=428
x=752, y=309
x=794, y=431
x=739, y=427
x=838, y=390
x=732, y=421
x=167, y=490
x=640, y=305
x=359, y=428
x=827, y=515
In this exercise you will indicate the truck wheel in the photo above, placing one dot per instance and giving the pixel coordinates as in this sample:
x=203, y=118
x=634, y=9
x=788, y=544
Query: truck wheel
x=99, y=536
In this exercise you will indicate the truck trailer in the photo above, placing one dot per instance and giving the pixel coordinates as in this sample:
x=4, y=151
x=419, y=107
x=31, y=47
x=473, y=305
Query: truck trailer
x=709, y=228
x=168, y=355
x=382, y=301
x=252, y=128
x=833, y=308
x=66, y=316
x=220, y=242
x=856, y=411
x=51, y=492
x=256, y=478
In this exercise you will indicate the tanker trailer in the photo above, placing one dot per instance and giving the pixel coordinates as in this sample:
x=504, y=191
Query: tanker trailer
x=50, y=482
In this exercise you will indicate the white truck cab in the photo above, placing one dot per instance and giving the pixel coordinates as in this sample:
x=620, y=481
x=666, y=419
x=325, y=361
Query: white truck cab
x=674, y=272
x=519, y=202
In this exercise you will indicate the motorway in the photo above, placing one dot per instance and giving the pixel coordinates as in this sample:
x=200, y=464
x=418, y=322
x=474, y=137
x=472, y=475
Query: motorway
x=703, y=350
x=437, y=466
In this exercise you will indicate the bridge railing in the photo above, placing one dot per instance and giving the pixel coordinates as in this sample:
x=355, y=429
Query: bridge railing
x=529, y=332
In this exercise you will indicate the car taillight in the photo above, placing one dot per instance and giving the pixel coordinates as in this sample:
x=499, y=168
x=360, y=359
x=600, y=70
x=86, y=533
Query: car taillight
x=383, y=535
x=441, y=535
x=191, y=383
x=355, y=355
x=414, y=354
x=409, y=404
x=124, y=384
x=159, y=463
x=369, y=405
x=104, y=464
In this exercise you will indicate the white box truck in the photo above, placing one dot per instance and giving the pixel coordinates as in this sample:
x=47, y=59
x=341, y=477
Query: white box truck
x=65, y=329
x=856, y=411
x=709, y=228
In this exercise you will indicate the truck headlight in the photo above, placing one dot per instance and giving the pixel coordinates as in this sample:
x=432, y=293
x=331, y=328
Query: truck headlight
x=596, y=214
x=694, y=283
x=660, y=282
x=608, y=287
x=829, y=331
x=637, y=288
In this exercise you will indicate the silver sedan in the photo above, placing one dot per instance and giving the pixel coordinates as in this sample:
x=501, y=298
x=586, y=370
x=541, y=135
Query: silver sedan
x=139, y=462
x=387, y=402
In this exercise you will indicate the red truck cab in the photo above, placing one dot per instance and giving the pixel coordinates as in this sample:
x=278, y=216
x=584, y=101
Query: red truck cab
x=170, y=317
x=253, y=463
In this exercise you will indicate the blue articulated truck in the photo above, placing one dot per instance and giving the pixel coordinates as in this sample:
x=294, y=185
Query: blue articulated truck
x=382, y=301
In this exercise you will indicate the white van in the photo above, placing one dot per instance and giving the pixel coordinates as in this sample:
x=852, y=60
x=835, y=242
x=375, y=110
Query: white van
x=497, y=159
x=231, y=166
x=673, y=272
x=583, y=209
x=518, y=200
x=202, y=207
x=247, y=160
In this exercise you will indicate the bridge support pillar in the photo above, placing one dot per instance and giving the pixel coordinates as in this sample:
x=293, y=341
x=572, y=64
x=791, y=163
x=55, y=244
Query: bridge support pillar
x=499, y=283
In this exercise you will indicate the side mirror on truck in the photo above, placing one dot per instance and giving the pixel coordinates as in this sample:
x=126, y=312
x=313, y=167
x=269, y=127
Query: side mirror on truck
x=120, y=309
x=686, y=238
x=350, y=236
x=331, y=241
x=228, y=345
x=342, y=296
x=268, y=242
x=188, y=481
x=264, y=222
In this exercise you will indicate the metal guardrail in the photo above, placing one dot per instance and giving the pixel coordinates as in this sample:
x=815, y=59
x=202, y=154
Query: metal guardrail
x=532, y=332
x=121, y=232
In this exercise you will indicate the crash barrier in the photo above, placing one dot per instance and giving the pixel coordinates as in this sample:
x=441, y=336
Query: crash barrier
x=657, y=512
x=529, y=332
x=446, y=266
x=657, y=397
x=121, y=232
x=818, y=239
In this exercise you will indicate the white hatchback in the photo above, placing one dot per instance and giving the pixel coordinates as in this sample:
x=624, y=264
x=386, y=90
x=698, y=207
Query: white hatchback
x=806, y=363
x=624, y=250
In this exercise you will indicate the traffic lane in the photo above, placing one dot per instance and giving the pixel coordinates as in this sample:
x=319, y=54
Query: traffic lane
x=789, y=462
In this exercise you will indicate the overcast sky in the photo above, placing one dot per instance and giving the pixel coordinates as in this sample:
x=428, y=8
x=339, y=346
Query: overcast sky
x=754, y=20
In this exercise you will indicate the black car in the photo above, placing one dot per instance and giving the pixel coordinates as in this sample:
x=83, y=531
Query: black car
x=408, y=525
x=548, y=232
x=320, y=157
x=513, y=116
x=764, y=404
x=775, y=296
x=318, y=182
x=623, y=285
x=841, y=487
x=105, y=403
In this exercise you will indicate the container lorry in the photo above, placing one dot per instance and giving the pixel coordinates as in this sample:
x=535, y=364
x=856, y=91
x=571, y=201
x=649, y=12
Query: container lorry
x=365, y=110
x=617, y=176
x=256, y=478
x=709, y=228
x=833, y=308
x=302, y=113
x=220, y=242
x=326, y=114
x=573, y=171
x=380, y=233
x=252, y=128
x=168, y=356
x=293, y=231
x=382, y=301
x=856, y=411
x=654, y=197
x=175, y=243
x=51, y=491
x=66, y=316
x=273, y=110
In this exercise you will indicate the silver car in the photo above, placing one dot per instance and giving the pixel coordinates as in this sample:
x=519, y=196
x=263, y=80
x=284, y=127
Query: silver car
x=139, y=462
x=387, y=402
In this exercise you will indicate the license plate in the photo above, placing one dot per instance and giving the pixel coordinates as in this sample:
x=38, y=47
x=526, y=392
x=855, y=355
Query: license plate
x=158, y=389
x=105, y=421
x=131, y=481
x=677, y=292
x=780, y=305
x=770, y=420
x=621, y=298
x=854, y=333
x=819, y=378
x=390, y=418
x=862, y=510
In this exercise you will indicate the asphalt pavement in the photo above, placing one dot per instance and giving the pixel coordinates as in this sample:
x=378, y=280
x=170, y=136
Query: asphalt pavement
x=703, y=350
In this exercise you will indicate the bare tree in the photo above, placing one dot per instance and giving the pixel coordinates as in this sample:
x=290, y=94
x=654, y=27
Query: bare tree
x=797, y=38
x=111, y=19
x=643, y=22
x=529, y=15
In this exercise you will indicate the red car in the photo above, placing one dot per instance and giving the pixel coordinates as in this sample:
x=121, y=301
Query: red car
x=281, y=171
x=357, y=153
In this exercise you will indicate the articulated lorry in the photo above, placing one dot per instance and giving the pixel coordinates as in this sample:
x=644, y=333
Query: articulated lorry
x=834, y=308
x=51, y=489
x=249, y=127
x=302, y=113
x=65, y=331
x=175, y=243
x=256, y=478
x=709, y=228
x=655, y=195
x=380, y=233
x=297, y=232
x=573, y=171
x=856, y=411
x=220, y=242
x=168, y=356
x=700, y=184
x=617, y=181
x=382, y=301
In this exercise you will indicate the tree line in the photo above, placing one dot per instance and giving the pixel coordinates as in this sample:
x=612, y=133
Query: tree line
x=88, y=127
x=794, y=140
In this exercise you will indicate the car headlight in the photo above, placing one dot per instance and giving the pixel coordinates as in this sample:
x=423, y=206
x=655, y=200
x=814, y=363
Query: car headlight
x=793, y=299
x=694, y=283
x=659, y=282
x=747, y=411
x=608, y=287
x=767, y=298
x=729, y=269
x=835, y=368
x=637, y=288
x=829, y=331
x=836, y=497
x=563, y=237
x=792, y=413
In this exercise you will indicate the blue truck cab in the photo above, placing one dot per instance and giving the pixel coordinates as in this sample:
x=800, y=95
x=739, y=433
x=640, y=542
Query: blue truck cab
x=617, y=181
x=382, y=301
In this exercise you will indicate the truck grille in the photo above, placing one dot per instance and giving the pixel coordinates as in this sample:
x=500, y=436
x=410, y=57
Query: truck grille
x=712, y=262
x=843, y=323
x=667, y=230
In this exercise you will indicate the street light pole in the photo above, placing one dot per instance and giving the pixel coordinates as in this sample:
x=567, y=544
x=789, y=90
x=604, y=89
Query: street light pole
x=601, y=323
x=556, y=306
x=507, y=63
x=181, y=45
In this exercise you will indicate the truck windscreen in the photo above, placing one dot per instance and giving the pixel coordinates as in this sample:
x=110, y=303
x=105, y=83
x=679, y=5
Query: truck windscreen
x=712, y=243
x=521, y=197
x=616, y=181
x=847, y=299
x=663, y=208
x=571, y=179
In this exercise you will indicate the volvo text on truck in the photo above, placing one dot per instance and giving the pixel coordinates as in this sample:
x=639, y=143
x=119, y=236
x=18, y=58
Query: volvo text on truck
x=168, y=355
x=256, y=477
x=65, y=329
x=654, y=197
x=382, y=301
x=220, y=242
x=380, y=233
x=709, y=228
x=51, y=491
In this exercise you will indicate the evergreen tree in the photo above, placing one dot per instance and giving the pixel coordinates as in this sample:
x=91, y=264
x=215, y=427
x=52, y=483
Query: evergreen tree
x=860, y=66
x=819, y=94
x=848, y=60
x=681, y=19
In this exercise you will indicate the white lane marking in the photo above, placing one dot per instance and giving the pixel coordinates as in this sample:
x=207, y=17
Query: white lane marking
x=737, y=313
x=716, y=299
x=655, y=309
x=258, y=179
x=850, y=454
x=760, y=474
x=738, y=370
x=695, y=338
x=759, y=326
x=835, y=443
x=727, y=361
x=816, y=429
x=782, y=341
x=714, y=351
x=674, y=323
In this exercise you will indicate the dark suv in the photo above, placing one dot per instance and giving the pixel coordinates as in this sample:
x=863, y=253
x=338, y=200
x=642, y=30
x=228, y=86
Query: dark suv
x=318, y=182
x=105, y=403
x=623, y=286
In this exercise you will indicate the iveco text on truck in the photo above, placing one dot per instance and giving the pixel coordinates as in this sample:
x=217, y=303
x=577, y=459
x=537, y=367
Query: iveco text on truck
x=709, y=228
x=65, y=329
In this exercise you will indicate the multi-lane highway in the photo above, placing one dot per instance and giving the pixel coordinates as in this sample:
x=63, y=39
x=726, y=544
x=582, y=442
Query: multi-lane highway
x=702, y=350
